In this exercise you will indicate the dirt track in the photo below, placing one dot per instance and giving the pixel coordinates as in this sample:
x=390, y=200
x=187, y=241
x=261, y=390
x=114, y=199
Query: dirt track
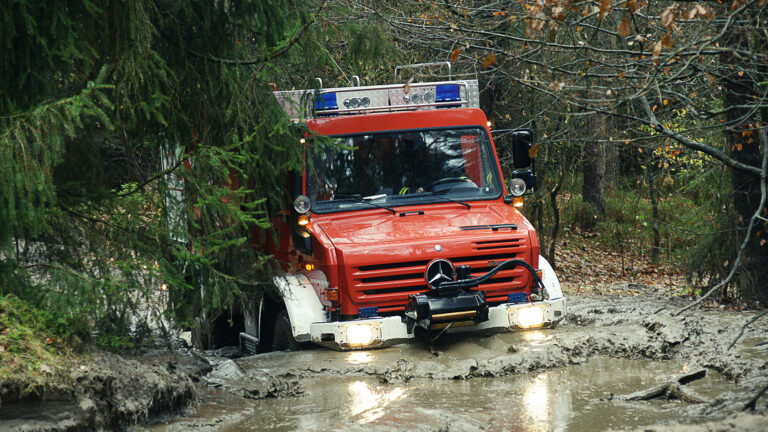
x=576, y=377
x=570, y=378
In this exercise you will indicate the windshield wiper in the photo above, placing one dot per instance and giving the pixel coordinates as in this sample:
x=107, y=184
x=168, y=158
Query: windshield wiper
x=432, y=194
x=441, y=196
x=364, y=200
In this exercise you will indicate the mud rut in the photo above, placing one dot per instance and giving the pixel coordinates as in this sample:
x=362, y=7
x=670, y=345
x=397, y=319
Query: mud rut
x=577, y=377
x=580, y=376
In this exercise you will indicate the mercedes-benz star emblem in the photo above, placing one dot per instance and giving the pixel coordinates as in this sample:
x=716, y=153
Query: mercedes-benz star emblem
x=439, y=271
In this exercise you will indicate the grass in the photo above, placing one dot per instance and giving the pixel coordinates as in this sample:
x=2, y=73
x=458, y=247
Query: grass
x=683, y=220
x=30, y=351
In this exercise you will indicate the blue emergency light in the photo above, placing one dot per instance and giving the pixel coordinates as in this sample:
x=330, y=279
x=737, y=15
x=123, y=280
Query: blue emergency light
x=326, y=101
x=447, y=93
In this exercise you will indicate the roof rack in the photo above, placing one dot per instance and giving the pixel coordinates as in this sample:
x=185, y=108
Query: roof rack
x=304, y=104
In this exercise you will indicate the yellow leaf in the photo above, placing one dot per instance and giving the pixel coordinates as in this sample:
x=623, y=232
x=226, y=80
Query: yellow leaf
x=624, y=28
x=454, y=54
x=665, y=101
x=533, y=151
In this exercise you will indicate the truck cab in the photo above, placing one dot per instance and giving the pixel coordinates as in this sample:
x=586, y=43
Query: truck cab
x=402, y=225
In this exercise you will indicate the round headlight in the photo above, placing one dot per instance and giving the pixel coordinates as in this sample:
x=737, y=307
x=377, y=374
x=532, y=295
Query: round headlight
x=517, y=186
x=301, y=204
x=416, y=98
x=429, y=97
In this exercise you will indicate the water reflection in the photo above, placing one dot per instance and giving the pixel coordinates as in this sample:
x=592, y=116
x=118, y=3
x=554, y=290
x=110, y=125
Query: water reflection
x=534, y=335
x=359, y=357
x=369, y=404
x=536, y=402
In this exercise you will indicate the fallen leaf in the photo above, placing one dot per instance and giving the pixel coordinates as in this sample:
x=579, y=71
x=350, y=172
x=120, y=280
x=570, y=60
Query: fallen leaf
x=666, y=40
x=454, y=54
x=605, y=7
x=657, y=50
x=632, y=6
x=668, y=16
x=45, y=368
x=624, y=28
x=50, y=341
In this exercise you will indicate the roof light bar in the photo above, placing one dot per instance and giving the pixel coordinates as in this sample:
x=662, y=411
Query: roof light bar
x=303, y=104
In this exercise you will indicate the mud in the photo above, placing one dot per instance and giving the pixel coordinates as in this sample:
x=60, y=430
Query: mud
x=583, y=376
x=108, y=393
x=575, y=377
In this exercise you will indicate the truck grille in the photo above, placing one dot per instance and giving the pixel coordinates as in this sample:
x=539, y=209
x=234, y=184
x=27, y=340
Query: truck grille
x=388, y=285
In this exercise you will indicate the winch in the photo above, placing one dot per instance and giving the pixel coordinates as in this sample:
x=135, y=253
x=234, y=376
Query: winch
x=450, y=302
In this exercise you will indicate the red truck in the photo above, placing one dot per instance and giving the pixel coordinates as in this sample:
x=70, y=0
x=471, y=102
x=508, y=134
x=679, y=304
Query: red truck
x=402, y=226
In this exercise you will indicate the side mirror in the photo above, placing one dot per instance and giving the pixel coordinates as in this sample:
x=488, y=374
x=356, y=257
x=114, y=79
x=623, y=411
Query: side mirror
x=522, y=141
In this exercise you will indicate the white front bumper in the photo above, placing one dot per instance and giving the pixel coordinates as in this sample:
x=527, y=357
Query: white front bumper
x=393, y=330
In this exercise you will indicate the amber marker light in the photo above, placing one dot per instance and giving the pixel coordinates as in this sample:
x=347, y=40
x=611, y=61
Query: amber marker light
x=517, y=202
x=332, y=294
x=303, y=220
x=309, y=267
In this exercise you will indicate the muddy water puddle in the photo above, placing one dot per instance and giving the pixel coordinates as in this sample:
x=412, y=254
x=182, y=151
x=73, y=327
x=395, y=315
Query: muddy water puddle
x=577, y=398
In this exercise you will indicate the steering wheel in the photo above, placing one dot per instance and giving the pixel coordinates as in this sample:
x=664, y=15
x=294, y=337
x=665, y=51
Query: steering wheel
x=445, y=180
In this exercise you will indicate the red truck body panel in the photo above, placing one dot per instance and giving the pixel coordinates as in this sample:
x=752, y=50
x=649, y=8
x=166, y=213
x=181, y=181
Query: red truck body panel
x=377, y=259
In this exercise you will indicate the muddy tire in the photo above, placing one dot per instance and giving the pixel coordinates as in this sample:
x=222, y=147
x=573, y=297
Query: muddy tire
x=282, y=337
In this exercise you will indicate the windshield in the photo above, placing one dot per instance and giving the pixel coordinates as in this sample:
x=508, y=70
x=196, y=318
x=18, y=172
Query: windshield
x=403, y=168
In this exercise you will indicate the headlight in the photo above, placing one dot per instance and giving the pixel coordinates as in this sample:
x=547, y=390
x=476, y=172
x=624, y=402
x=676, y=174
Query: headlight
x=517, y=186
x=530, y=317
x=301, y=204
x=359, y=334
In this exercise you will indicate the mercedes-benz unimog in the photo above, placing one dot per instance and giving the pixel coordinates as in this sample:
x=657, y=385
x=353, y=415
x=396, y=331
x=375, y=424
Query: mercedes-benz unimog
x=402, y=227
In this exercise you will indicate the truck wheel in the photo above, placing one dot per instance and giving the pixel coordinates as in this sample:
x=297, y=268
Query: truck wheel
x=282, y=339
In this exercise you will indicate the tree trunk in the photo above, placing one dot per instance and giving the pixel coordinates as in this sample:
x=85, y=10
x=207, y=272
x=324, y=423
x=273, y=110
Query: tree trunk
x=594, y=170
x=743, y=139
x=655, y=216
x=611, y=174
